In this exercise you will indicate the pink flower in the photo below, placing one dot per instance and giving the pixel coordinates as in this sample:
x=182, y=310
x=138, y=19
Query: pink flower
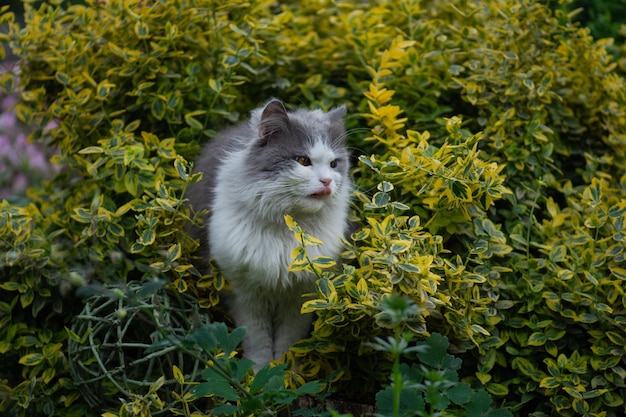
x=5, y=144
x=7, y=121
x=21, y=141
x=8, y=102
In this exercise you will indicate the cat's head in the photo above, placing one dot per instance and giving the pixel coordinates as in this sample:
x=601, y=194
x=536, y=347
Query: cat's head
x=299, y=158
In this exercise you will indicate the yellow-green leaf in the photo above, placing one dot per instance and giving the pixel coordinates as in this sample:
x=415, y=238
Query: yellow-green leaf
x=618, y=272
x=550, y=383
x=142, y=30
x=31, y=359
x=324, y=262
x=497, y=389
x=536, y=339
x=178, y=375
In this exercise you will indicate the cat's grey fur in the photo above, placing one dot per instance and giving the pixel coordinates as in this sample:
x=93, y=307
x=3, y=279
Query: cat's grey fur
x=274, y=164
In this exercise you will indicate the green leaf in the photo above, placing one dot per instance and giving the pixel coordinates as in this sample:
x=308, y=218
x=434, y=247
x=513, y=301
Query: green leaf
x=238, y=31
x=219, y=388
x=561, y=402
x=479, y=329
x=460, y=394
x=555, y=334
x=150, y=287
x=399, y=206
x=142, y=30
x=527, y=368
x=410, y=268
x=225, y=410
x=550, y=383
x=436, y=355
x=310, y=388
x=326, y=288
x=147, y=237
x=594, y=393
x=72, y=335
x=309, y=240
x=323, y=261
x=619, y=273
x=264, y=375
x=616, y=338
x=104, y=89
x=158, y=108
x=461, y=191
x=315, y=305
x=31, y=359
x=399, y=246
x=47, y=375
x=132, y=126
x=411, y=400
x=13, y=286
x=385, y=186
x=380, y=199
x=572, y=392
x=205, y=337
x=91, y=150
x=537, y=339
x=27, y=298
x=24, y=113
x=229, y=342
x=131, y=183
x=181, y=168
x=173, y=253
x=193, y=122
x=476, y=278
x=215, y=85
x=479, y=404
x=63, y=78
x=496, y=389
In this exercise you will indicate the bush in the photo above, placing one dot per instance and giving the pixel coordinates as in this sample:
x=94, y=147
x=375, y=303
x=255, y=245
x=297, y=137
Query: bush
x=490, y=186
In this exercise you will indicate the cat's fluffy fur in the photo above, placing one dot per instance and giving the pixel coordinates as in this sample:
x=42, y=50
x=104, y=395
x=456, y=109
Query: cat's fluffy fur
x=255, y=173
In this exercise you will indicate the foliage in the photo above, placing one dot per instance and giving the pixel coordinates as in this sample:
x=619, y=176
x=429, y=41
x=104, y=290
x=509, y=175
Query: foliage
x=111, y=342
x=490, y=187
x=228, y=383
x=603, y=18
x=430, y=386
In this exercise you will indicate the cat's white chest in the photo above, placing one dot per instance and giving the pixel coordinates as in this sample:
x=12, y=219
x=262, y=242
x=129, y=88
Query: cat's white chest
x=249, y=254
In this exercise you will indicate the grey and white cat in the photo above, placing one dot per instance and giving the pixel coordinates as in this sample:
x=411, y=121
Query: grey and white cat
x=254, y=173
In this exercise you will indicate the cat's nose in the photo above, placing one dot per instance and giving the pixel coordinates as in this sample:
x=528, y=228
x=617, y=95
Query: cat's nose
x=326, y=181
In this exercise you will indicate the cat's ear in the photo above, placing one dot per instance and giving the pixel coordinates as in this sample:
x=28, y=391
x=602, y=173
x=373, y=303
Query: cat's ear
x=274, y=120
x=336, y=114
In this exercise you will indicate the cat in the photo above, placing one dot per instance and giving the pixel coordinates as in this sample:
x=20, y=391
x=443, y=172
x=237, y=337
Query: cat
x=276, y=163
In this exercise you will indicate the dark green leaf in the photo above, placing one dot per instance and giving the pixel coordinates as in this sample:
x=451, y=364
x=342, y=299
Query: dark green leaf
x=411, y=402
x=436, y=356
x=219, y=388
x=230, y=342
x=479, y=404
x=150, y=288
x=264, y=375
x=461, y=191
x=460, y=394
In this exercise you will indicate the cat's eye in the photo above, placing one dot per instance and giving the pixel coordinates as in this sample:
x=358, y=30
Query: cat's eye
x=303, y=160
x=333, y=163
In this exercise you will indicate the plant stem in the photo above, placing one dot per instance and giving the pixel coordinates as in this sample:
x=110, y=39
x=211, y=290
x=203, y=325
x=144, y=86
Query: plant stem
x=397, y=378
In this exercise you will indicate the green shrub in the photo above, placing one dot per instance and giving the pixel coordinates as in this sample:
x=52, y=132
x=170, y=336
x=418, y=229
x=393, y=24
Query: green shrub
x=603, y=18
x=490, y=187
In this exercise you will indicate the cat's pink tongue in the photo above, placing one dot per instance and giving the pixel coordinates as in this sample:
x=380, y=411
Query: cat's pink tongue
x=322, y=192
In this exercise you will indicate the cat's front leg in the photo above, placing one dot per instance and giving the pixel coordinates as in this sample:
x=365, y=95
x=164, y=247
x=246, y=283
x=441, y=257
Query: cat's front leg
x=258, y=343
x=290, y=327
